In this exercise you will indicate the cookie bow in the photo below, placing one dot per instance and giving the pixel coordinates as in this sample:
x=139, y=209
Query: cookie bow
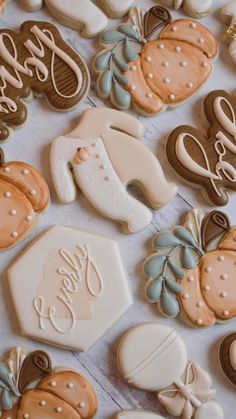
x=187, y=396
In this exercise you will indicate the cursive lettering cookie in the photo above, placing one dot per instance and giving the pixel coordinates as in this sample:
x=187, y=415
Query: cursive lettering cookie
x=153, y=63
x=194, y=8
x=37, y=60
x=82, y=15
x=136, y=414
x=227, y=357
x=193, y=268
x=106, y=143
x=228, y=16
x=208, y=162
x=24, y=195
x=31, y=389
x=67, y=302
x=154, y=358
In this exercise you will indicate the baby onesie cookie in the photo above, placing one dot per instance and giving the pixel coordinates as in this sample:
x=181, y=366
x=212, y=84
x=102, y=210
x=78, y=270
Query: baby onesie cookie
x=82, y=15
x=106, y=144
x=153, y=63
x=31, y=389
x=153, y=357
x=193, y=270
x=208, y=162
x=37, y=60
x=227, y=357
x=228, y=16
x=136, y=414
x=72, y=290
x=194, y=8
x=24, y=195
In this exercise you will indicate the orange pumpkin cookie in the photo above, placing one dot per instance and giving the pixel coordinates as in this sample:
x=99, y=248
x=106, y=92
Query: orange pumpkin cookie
x=154, y=63
x=31, y=389
x=193, y=270
x=23, y=195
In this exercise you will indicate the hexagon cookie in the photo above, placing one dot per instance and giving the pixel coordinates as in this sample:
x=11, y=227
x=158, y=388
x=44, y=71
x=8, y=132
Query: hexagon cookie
x=64, y=291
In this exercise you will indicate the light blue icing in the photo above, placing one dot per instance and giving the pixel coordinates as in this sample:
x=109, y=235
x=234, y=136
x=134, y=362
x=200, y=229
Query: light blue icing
x=189, y=261
x=173, y=286
x=154, y=289
x=130, y=32
x=165, y=239
x=120, y=78
x=130, y=54
x=122, y=97
x=183, y=234
x=154, y=265
x=105, y=82
x=169, y=304
x=176, y=269
x=121, y=64
x=6, y=401
x=102, y=60
x=112, y=36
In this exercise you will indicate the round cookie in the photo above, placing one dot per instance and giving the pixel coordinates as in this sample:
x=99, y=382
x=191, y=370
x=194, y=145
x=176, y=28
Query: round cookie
x=145, y=356
x=195, y=8
x=227, y=357
x=135, y=414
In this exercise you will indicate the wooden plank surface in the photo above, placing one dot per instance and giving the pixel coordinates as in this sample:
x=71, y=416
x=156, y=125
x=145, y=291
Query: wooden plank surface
x=32, y=144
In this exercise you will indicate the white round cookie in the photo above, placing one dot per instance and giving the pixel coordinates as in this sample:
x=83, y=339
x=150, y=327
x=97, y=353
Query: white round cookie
x=135, y=414
x=151, y=356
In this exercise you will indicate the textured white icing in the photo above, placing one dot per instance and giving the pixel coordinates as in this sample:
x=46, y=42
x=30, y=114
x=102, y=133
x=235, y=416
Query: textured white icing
x=135, y=414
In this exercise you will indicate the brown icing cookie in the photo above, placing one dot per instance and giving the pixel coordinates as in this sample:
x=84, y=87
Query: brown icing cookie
x=61, y=392
x=154, y=64
x=37, y=59
x=227, y=357
x=208, y=162
x=23, y=195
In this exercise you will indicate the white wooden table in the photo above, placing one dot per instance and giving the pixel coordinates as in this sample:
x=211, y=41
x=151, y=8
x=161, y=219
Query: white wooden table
x=32, y=144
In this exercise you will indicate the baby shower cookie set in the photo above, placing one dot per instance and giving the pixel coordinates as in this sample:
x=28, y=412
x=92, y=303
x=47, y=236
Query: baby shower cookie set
x=62, y=286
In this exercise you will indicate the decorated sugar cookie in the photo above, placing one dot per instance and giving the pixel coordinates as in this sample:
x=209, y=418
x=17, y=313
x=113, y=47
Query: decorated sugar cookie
x=82, y=15
x=194, y=8
x=193, y=270
x=135, y=414
x=208, y=162
x=107, y=144
x=37, y=60
x=31, y=389
x=227, y=357
x=153, y=63
x=24, y=195
x=3, y=5
x=154, y=358
x=228, y=16
x=72, y=290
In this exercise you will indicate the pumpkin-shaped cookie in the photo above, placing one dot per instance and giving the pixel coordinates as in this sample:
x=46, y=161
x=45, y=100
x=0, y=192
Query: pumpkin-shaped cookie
x=151, y=67
x=58, y=393
x=23, y=195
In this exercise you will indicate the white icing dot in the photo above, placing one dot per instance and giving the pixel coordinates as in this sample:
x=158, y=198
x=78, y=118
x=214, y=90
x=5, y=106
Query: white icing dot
x=182, y=63
x=206, y=288
x=149, y=76
x=221, y=258
x=28, y=218
x=70, y=385
x=14, y=234
x=190, y=278
x=166, y=80
x=205, y=64
x=189, y=85
x=42, y=403
x=7, y=194
x=25, y=171
x=148, y=59
x=165, y=63
x=174, y=29
x=133, y=68
x=81, y=405
x=225, y=313
x=133, y=87
x=12, y=212
x=208, y=269
x=199, y=321
x=193, y=25
x=201, y=40
x=224, y=294
x=26, y=416
x=58, y=409
x=177, y=49
x=33, y=192
x=172, y=97
x=161, y=46
x=6, y=169
x=199, y=304
x=224, y=276
x=53, y=384
x=185, y=296
x=149, y=95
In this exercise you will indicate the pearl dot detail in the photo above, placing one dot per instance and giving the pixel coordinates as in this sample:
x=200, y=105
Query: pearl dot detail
x=166, y=80
x=81, y=405
x=165, y=63
x=201, y=40
x=174, y=29
x=189, y=85
x=224, y=294
x=208, y=270
x=6, y=169
x=12, y=212
x=149, y=95
x=14, y=234
x=185, y=296
x=33, y=192
x=53, y=384
x=7, y=194
x=193, y=25
x=28, y=218
x=225, y=313
x=172, y=97
x=133, y=87
x=26, y=416
x=199, y=321
x=191, y=278
x=199, y=304
x=224, y=276
x=207, y=288
x=221, y=258
x=182, y=63
x=58, y=409
x=42, y=403
x=25, y=171
x=70, y=385
x=177, y=49
x=204, y=64
x=133, y=68
x=148, y=59
x=149, y=76
x=161, y=46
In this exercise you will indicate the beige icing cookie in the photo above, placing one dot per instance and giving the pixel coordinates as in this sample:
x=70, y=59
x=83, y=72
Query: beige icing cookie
x=135, y=414
x=194, y=8
x=24, y=194
x=36, y=391
x=153, y=63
